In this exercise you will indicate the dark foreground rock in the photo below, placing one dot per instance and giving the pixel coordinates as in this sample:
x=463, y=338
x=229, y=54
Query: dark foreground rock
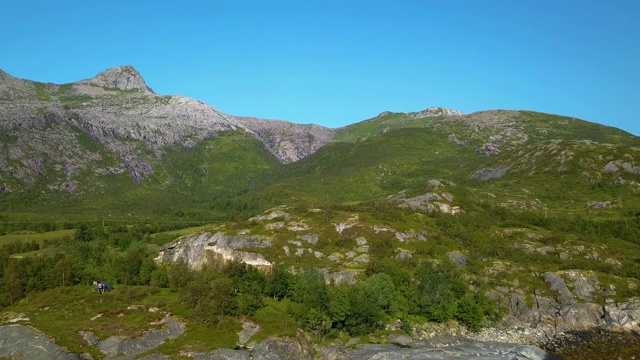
x=18, y=341
x=451, y=348
x=21, y=342
x=599, y=344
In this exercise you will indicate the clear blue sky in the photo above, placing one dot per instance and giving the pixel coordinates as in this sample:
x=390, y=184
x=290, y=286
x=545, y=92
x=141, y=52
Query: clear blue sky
x=336, y=62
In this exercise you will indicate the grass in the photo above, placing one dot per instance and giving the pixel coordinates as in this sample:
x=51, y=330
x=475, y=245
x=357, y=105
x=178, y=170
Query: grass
x=27, y=236
x=274, y=320
x=201, y=338
x=41, y=92
x=62, y=312
x=181, y=232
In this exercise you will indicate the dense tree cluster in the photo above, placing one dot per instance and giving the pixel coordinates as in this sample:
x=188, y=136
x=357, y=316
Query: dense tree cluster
x=437, y=294
x=424, y=290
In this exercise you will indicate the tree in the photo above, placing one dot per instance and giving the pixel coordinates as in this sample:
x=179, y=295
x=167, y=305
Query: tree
x=340, y=306
x=279, y=283
x=83, y=233
x=179, y=276
x=365, y=317
x=440, y=287
x=380, y=290
x=15, y=279
x=310, y=290
x=469, y=314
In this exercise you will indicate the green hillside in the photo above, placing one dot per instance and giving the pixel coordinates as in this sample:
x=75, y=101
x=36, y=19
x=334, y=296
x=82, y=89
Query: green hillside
x=438, y=219
x=374, y=168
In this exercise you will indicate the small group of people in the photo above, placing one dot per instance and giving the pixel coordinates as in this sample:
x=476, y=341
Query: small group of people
x=102, y=286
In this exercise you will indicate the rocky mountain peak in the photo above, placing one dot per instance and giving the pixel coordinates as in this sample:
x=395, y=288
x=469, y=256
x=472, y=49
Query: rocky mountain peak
x=120, y=78
x=4, y=76
x=436, y=111
x=14, y=88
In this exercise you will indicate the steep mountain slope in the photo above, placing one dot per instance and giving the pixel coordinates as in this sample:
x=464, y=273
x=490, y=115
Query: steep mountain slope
x=89, y=137
x=287, y=141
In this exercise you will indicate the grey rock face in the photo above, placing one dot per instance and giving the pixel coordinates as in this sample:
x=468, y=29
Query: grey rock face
x=199, y=249
x=248, y=330
x=557, y=284
x=12, y=88
x=287, y=141
x=403, y=236
x=271, y=214
x=134, y=127
x=340, y=227
x=580, y=316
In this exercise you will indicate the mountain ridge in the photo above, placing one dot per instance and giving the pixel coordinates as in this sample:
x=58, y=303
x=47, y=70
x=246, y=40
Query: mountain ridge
x=61, y=138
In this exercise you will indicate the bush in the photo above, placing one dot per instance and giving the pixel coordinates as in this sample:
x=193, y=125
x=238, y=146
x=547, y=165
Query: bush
x=470, y=314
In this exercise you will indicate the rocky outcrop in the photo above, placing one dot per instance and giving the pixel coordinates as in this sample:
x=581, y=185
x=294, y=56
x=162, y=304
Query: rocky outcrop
x=116, y=346
x=562, y=312
x=219, y=248
x=621, y=165
x=340, y=277
x=491, y=173
x=298, y=348
x=272, y=214
x=437, y=200
x=458, y=259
